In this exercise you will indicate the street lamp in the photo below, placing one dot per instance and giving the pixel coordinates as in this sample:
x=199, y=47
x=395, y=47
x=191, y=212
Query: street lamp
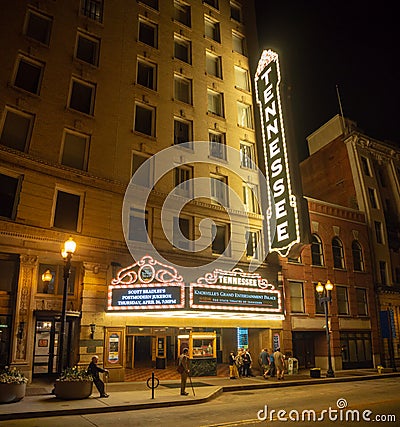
x=66, y=252
x=325, y=297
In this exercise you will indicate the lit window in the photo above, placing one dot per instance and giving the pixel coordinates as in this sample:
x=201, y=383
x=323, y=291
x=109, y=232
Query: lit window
x=9, y=189
x=247, y=155
x=213, y=65
x=88, y=49
x=93, y=9
x=148, y=33
x=317, y=255
x=239, y=43
x=217, y=144
x=75, y=150
x=358, y=262
x=245, y=117
x=296, y=297
x=82, y=96
x=182, y=49
x=145, y=119
x=182, y=89
x=67, y=211
x=183, y=132
x=337, y=251
x=242, y=79
x=182, y=13
x=16, y=130
x=211, y=29
x=38, y=26
x=146, y=74
x=29, y=75
x=215, y=103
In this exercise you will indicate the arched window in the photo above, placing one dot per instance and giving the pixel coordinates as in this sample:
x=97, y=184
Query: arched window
x=317, y=255
x=358, y=261
x=338, y=254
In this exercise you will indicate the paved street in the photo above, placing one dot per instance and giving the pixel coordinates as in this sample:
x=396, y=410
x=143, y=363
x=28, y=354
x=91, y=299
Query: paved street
x=364, y=399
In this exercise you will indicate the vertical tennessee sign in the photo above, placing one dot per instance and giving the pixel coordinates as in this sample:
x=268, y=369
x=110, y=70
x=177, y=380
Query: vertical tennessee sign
x=282, y=215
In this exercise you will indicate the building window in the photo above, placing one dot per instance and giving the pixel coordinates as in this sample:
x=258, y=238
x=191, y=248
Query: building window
x=66, y=215
x=29, y=75
x=247, y=155
x=93, y=9
x=242, y=79
x=181, y=233
x=383, y=272
x=295, y=260
x=245, y=117
x=365, y=166
x=38, y=26
x=56, y=285
x=217, y=144
x=183, y=49
x=378, y=232
x=151, y=3
x=213, y=3
x=317, y=255
x=138, y=225
x=253, y=244
x=250, y=197
x=145, y=119
x=213, y=65
x=372, y=198
x=9, y=189
x=219, y=189
x=182, y=13
x=148, y=33
x=342, y=300
x=88, y=49
x=211, y=29
x=358, y=260
x=397, y=275
x=236, y=12
x=319, y=308
x=82, y=96
x=183, y=132
x=75, y=150
x=239, y=44
x=16, y=130
x=183, y=183
x=215, y=103
x=296, y=297
x=219, y=243
x=146, y=74
x=338, y=254
x=144, y=178
x=182, y=89
x=362, y=304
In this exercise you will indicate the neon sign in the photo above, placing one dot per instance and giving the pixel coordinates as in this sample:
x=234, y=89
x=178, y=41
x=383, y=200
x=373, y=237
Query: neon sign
x=282, y=214
x=147, y=285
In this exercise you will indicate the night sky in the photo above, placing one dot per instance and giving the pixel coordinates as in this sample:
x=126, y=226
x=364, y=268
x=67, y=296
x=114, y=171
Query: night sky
x=353, y=45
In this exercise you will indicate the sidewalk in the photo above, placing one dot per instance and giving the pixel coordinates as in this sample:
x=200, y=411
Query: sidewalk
x=127, y=396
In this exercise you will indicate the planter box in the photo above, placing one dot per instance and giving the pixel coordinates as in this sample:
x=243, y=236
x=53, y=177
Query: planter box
x=73, y=390
x=315, y=373
x=12, y=392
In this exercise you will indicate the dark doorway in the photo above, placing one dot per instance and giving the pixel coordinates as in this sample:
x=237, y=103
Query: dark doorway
x=303, y=349
x=142, y=352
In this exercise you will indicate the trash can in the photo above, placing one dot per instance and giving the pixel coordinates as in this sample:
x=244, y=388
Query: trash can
x=315, y=373
x=293, y=366
x=160, y=362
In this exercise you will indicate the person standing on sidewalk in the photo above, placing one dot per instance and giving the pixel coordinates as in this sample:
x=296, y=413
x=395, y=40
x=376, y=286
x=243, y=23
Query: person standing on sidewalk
x=279, y=359
x=94, y=370
x=183, y=369
x=264, y=362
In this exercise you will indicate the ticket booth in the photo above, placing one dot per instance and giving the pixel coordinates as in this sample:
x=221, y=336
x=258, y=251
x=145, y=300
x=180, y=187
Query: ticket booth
x=202, y=352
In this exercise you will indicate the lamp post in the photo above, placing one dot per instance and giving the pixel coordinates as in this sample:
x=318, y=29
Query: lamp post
x=325, y=297
x=66, y=252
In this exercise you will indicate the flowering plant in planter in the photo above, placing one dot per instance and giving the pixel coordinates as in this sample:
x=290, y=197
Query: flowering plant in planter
x=75, y=374
x=12, y=376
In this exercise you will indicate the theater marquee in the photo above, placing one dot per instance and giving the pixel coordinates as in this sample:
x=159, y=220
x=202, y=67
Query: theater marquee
x=282, y=213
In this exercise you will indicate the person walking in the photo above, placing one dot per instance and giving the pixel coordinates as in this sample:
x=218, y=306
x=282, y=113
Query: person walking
x=183, y=366
x=94, y=370
x=272, y=368
x=279, y=364
x=264, y=362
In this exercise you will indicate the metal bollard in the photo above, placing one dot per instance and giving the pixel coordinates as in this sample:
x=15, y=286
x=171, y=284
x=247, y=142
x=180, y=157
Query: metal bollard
x=153, y=383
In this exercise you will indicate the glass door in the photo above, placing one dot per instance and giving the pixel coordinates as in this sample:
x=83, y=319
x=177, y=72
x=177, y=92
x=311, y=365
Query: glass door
x=46, y=346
